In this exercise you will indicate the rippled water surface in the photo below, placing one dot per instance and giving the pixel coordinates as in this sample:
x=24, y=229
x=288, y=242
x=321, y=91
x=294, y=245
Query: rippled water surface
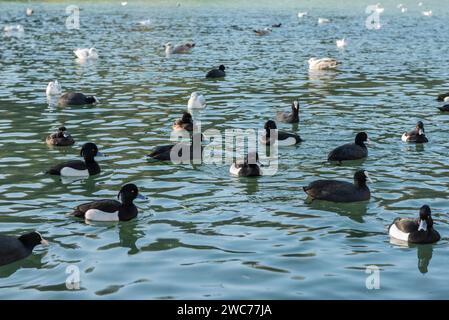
x=202, y=233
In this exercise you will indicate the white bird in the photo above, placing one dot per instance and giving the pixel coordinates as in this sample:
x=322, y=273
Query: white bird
x=404, y=9
x=29, y=12
x=323, y=20
x=420, y=4
x=323, y=63
x=53, y=88
x=86, y=53
x=181, y=48
x=427, y=13
x=196, y=101
x=342, y=43
x=146, y=22
x=302, y=14
x=124, y=3
x=379, y=9
x=14, y=28
x=263, y=32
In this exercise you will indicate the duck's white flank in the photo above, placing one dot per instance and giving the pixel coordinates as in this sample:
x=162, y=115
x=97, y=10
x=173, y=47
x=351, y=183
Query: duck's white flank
x=70, y=172
x=233, y=170
x=98, y=215
x=398, y=234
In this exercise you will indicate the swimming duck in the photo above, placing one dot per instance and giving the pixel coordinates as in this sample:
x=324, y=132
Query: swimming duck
x=61, y=138
x=443, y=96
x=29, y=12
x=181, y=48
x=276, y=25
x=185, y=123
x=444, y=108
x=14, y=28
x=196, y=101
x=111, y=210
x=341, y=43
x=322, y=64
x=417, y=135
x=250, y=167
x=86, y=53
x=53, y=88
x=13, y=249
x=415, y=230
x=323, y=20
x=340, y=191
x=217, y=73
x=283, y=138
x=302, y=14
x=263, y=32
x=351, y=151
x=76, y=98
x=78, y=168
x=288, y=117
x=427, y=13
x=175, y=152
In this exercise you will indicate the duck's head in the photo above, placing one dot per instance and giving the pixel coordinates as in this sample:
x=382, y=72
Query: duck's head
x=362, y=137
x=62, y=131
x=425, y=218
x=420, y=127
x=128, y=193
x=295, y=106
x=32, y=239
x=186, y=117
x=221, y=67
x=89, y=150
x=360, y=177
x=270, y=125
x=168, y=45
x=92, y=100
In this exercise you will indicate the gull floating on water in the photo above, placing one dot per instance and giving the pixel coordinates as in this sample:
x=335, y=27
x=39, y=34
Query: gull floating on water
x=53, y=88
x=86, y=53
x=342, y=43
x=29, y=12
x=124, y=3
x=322, y=63
x=181, y=48
x=146, y=22
x=323, y=20
x=263, y=32
x=302, y=14
x=14, y=28
x=196, y=101
x=427, y=13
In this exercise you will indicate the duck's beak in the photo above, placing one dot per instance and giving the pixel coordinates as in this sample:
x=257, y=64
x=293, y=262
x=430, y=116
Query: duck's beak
x=422, y=225
x=368, y=141
x=368, y=177
x=100, y=154
x=44, y=242
x=141, y=196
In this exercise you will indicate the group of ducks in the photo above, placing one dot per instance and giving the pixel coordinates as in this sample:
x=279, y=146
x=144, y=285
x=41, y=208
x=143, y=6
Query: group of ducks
x=419, y=230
